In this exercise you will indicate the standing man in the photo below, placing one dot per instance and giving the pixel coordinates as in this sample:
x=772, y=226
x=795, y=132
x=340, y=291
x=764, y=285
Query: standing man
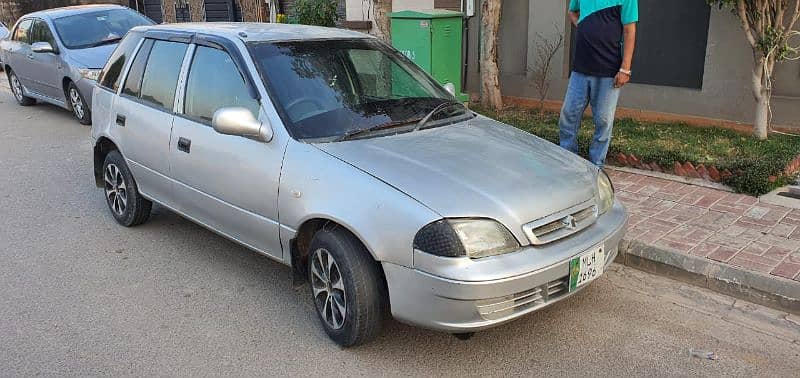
x=603, y=54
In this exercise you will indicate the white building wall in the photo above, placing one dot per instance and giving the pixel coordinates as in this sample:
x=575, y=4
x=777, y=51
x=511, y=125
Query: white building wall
x=416, y=5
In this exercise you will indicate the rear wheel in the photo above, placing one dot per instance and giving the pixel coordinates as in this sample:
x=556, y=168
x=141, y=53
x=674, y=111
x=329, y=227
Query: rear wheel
x=79, y=108
x=346, y=287
x=16, y=89
x=127, y=206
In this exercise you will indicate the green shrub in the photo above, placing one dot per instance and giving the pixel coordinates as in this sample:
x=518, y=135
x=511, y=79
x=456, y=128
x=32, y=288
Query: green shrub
x=751, y=161
x=315, y=12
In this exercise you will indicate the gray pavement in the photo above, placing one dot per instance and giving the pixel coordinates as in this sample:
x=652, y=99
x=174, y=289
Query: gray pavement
x=80, y=295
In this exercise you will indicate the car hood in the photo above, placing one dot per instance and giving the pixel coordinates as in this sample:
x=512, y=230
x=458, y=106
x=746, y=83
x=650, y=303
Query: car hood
x=93, y=57
x=477, y=168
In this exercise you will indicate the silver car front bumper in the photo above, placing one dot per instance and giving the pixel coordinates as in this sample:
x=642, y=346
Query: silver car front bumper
x=464, y=305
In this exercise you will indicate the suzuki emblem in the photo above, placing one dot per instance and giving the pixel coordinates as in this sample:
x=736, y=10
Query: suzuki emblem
x=569, y=222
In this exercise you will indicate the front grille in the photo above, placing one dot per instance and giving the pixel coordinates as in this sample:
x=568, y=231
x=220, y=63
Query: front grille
x=561, y=225
x=498, y=308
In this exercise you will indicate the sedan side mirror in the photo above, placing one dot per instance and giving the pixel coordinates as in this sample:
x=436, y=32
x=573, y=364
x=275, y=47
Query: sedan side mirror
x=241, y=122
x=42, y=47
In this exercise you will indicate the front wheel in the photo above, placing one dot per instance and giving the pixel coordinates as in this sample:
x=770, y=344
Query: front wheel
x=346, y=286
x=127, y=206
x=79, y=108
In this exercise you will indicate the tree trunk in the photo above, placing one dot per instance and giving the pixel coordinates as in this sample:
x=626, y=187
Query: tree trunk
x=761, y=123
x=490, y=72
x=383, y=25
x=762, y=94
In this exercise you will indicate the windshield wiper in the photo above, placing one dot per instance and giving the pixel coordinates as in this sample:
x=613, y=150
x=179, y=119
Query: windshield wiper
x=106, y=41
x=383, y=126
x=436, y=110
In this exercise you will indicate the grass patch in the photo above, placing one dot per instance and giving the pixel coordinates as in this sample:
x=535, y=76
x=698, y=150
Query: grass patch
x=751, y=161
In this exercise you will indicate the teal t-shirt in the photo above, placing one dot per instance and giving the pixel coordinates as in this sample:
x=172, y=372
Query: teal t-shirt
x=629, y=11
x=598, y=42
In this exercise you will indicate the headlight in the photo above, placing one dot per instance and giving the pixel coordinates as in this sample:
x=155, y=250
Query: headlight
x=474, y=238
x=88, y=73
x=605, y=193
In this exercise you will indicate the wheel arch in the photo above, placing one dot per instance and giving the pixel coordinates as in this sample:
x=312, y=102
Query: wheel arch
x=299, y=245
x=102, y=147
x=65, y=81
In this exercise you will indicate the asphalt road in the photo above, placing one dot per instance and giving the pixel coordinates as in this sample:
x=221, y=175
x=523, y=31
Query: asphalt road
x=80, y=295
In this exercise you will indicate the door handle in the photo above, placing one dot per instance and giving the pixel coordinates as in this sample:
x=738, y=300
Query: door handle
x=120, y=120
x=184, y=144
x=30, y=56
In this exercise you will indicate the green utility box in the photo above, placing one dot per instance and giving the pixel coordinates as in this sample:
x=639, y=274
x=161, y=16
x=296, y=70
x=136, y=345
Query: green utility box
x=433, y=40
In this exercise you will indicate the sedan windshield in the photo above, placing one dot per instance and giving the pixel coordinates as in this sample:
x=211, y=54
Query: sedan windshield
x=335, y=89
x=97, y=28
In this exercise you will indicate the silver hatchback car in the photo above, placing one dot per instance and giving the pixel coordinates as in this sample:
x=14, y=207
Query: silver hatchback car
x=55, y=55
x=331, y=152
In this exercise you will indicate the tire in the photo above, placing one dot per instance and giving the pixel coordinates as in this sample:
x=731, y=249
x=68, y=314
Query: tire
x=16, y=89
x=359, y=276
x=127, y=206
x=78, y=105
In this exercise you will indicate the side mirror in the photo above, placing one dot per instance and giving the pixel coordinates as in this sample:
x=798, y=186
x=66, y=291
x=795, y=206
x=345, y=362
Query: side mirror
x=450, y=88
x=42, y=47
x=241, y=122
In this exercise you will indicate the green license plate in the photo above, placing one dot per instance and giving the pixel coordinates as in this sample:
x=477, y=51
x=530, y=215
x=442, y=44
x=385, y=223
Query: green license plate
x=586, y=267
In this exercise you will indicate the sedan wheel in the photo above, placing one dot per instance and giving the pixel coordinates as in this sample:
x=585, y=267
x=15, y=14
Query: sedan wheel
x=79, y=108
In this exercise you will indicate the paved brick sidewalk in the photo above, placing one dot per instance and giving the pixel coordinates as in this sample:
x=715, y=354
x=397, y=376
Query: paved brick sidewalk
x=731, y=228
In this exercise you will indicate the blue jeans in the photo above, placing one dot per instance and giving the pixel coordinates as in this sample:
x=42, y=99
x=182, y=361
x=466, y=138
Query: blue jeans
x=599, y=92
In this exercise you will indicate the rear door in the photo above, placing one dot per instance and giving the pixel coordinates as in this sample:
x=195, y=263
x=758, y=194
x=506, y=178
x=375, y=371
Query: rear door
x=46, y=72
x=228, y=183
x=144, y=114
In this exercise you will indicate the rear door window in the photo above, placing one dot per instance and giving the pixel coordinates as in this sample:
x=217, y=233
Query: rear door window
x=215, y=82
x=23, y=31
x=161, y=73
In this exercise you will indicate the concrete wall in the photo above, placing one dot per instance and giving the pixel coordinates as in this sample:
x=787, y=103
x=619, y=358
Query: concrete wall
x=725, y=95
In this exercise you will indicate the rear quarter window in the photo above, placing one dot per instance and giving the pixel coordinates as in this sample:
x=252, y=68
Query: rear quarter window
x=111, y=76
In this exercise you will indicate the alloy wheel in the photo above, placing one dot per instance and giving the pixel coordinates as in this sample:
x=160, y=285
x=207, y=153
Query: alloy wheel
x=328, y=288
x=116, y=190
x=76, y=102
x=16, y=87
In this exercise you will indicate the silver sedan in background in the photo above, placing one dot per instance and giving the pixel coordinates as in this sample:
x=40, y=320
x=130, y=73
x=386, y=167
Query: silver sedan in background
x=56, y=55
x=3, y=35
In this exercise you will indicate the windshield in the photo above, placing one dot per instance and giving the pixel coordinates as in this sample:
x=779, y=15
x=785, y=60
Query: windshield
x=328, y=89
x=97, y=28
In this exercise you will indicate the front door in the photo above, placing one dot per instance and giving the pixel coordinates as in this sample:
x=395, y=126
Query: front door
x=46, y=67
x=225, y=182
x=144, y=115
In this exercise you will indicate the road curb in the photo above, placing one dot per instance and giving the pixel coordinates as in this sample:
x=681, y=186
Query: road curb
x=771, y=291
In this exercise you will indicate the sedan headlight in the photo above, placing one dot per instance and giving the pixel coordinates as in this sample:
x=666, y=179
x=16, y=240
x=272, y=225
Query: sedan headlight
x=474, y=238
x=606, y=193
x=89, y=73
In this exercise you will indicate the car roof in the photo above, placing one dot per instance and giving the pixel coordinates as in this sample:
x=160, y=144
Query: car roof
x=257, y=32
x=72, y=10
